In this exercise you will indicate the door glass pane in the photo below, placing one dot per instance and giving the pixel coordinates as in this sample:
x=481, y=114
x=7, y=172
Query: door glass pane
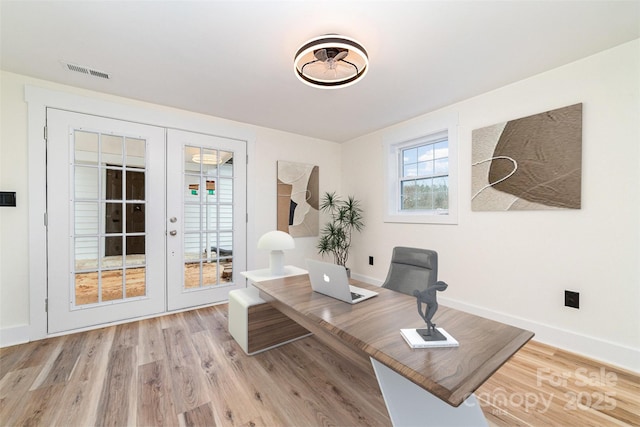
x=135, y=218
x=225, y=244
x=210, y=217
x=86, y=147
x=192, y=160
x=210, y=189
x=86, y=218
x=226, y=216
x=192, y=275
x=111, y=244
x=86, y=253
x=111, y=149
x=135, y=283
x=135, y=152
x=192, y=189
x=192, y=247
x=226, y=165
x=112, y=285
x=209, y=246
x=208, y=199
x=114, y=217
x=226, y=271
x=134, y=185
x=113, y=185
x=136, y=260
x=135, y=250
x=86, y=184
x=110, y=217
x=191, y=218
x=209, y=274
x=209, y=162
x=225, y=193
x=86, y=290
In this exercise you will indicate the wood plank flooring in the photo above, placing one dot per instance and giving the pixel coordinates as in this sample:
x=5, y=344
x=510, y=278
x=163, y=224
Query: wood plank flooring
x=186, y=370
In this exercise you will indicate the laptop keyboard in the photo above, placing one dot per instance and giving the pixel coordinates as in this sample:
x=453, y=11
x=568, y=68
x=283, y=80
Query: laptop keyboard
x=355, y=296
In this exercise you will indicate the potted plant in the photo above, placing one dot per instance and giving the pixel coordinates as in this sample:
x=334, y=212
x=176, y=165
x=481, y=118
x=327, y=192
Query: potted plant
x=346, y=217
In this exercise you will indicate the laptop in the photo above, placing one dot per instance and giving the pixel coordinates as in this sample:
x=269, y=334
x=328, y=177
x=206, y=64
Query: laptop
x=331, y=280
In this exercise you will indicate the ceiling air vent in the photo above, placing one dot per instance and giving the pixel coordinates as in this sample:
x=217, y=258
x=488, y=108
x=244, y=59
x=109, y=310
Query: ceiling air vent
x=86, y=70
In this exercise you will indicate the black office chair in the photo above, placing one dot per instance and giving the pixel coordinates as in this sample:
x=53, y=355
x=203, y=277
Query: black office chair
x=411, y=269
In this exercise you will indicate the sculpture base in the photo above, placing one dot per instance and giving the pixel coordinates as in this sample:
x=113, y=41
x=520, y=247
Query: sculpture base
x=435, y=335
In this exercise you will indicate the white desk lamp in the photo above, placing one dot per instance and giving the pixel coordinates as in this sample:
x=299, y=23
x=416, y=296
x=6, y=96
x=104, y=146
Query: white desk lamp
x=276, y=241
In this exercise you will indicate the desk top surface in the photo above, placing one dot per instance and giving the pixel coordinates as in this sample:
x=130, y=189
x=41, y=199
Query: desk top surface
x=265, y=273
x=373, y=327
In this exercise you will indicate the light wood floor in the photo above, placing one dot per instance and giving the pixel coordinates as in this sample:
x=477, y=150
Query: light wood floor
x=185, y=369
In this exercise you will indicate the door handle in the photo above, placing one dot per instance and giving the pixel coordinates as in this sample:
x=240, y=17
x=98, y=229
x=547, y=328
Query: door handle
x=173, y=232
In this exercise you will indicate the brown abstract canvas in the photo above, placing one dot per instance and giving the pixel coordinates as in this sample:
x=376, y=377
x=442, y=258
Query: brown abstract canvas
x=530, y=163
x=298, y=199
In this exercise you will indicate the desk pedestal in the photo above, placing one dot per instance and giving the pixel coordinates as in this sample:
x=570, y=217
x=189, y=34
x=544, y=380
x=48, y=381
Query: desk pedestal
x=410, y=405
x=256, y=325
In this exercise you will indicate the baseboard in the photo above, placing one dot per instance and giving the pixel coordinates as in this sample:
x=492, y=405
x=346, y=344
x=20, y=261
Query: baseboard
x=594, y=348
x=365, y=279
x=22, y=334
x=14, y=335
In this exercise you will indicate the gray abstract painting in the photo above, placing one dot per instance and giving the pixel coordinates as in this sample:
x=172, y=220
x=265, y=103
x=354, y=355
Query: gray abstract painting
x=530, y=163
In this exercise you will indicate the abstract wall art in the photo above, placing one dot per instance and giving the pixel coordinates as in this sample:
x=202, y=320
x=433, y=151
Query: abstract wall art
x=298, y=199
x=531, y=163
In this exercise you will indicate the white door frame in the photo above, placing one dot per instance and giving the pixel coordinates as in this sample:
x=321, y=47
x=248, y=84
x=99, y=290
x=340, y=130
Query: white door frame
x=38, y=99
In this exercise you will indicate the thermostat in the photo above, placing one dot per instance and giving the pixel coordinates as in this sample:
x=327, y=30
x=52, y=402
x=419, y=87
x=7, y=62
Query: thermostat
x=7, y=198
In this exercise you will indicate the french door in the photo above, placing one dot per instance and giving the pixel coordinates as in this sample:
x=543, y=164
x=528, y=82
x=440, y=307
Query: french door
x=206, y=206
x=113, y=252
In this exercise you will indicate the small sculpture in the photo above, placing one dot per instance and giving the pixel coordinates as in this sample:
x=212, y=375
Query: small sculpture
x=428, y=297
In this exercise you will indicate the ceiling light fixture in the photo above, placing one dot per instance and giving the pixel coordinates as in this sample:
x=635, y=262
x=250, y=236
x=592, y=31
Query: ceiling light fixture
x=331, y=61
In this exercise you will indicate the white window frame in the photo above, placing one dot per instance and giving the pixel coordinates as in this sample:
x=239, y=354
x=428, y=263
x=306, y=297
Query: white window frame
x=422, y=131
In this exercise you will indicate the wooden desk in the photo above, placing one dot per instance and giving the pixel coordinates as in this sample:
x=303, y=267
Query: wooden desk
x=373, y=327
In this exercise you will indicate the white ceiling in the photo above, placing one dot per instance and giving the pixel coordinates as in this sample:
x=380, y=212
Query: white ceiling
x=234, y=59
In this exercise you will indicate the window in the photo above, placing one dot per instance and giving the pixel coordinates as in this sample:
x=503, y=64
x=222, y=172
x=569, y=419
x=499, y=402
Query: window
x=421, y=175
x=424, y=177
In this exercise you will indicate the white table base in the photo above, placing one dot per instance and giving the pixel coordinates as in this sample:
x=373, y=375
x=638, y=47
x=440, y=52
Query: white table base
x=411, y=405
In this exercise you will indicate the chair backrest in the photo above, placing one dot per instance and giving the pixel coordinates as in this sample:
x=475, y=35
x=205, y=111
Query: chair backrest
x=411, y=269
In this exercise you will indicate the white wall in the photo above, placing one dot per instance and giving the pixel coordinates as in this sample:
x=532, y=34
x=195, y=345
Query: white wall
x=14, y=271
x=266, y=147
x=515, y=266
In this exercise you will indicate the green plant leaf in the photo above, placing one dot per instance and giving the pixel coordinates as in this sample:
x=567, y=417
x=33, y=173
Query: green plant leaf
x=346, y=216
